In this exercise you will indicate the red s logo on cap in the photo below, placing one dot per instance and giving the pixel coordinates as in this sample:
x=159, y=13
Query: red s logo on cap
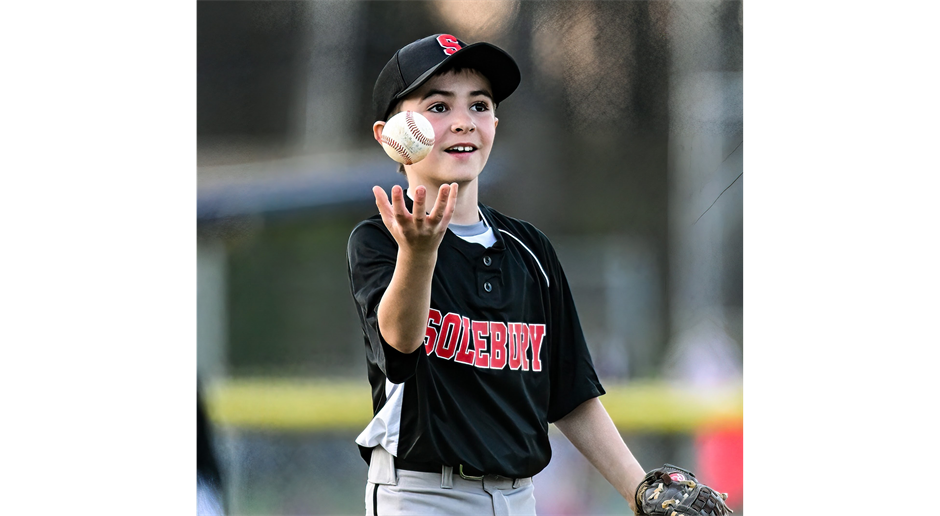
x=449, y=43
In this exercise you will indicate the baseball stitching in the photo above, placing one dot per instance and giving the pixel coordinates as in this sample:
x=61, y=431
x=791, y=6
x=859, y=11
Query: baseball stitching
x=402, y=151
x=415, y=132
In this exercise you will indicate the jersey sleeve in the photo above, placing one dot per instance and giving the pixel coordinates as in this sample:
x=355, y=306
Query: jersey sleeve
x=573, y=378
x=371, y=254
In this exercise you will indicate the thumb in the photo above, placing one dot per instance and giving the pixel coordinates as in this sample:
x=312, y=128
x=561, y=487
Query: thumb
x=384, y=206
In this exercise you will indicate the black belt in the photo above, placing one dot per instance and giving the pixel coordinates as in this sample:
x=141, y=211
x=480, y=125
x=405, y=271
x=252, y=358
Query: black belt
x=430, y=467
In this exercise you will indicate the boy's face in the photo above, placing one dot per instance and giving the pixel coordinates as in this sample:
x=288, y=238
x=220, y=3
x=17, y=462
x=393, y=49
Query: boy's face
x=459, y=106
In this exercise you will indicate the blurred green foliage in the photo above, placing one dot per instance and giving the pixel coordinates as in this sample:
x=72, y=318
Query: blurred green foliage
x=290, y=310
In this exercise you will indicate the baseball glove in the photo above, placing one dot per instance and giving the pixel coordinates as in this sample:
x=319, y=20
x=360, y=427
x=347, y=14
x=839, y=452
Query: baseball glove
x=673, y=491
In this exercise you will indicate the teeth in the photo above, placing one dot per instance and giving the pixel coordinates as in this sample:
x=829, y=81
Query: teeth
x=461, y=148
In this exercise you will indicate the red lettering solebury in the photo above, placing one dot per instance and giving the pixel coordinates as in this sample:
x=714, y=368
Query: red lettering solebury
x=515, y=358
x=447, y=339
x=481, y=330
x=430, y=335
x=497, y=345
x=520, y=333
x=465, y=355
x=485, y=344
x=536, y=332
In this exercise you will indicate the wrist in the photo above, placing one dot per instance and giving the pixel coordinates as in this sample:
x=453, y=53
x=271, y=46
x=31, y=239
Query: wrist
x=421, y=259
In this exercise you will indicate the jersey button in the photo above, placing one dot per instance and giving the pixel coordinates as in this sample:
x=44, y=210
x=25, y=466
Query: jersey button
x=487, y=261
x=488, y=287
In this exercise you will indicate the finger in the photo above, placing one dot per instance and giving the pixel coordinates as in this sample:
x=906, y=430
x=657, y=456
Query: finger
x=420, y=197
x=451, y=205
x=381, y=201
x=399, y=209
x=440, y=204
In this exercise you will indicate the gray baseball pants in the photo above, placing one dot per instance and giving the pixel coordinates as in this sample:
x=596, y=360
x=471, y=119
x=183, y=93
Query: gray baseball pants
x=398, y=492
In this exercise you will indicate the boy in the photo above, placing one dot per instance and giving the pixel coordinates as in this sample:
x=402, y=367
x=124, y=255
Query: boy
x=471, y=334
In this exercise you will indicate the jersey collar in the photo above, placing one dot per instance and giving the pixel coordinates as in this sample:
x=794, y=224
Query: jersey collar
x=485, y=214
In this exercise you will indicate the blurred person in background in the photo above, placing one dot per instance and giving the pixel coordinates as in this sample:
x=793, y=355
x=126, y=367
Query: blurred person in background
x=460, y=429
x=208, y=477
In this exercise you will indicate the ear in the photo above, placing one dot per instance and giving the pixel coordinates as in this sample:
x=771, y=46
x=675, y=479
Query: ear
x=496, y=122
x=377, y=130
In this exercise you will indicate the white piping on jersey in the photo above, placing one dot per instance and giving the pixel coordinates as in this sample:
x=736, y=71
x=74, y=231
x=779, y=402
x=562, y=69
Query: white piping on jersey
x=547, y=284
x=385, y=428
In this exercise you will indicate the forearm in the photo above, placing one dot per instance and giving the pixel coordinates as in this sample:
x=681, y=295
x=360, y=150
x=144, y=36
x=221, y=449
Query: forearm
x=403, y=310
x=591, y=431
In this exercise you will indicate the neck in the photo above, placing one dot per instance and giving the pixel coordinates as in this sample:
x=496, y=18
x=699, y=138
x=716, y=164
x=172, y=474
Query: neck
x=465, y=212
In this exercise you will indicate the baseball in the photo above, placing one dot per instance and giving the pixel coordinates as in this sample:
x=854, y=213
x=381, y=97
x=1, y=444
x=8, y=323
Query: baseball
x=407, y=137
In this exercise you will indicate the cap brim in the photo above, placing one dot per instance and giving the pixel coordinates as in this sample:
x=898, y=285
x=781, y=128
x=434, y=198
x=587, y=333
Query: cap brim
x=494, y=63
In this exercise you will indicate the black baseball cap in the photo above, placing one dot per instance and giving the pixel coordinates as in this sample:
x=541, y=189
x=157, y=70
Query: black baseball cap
x=416, y=62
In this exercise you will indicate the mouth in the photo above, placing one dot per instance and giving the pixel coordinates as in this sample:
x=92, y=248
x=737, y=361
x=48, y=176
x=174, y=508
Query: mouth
x=461, y=148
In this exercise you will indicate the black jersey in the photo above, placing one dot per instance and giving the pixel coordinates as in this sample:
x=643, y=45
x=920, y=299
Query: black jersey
x=503, y=355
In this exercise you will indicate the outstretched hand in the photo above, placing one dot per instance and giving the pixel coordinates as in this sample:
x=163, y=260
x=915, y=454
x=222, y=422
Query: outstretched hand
x=420, y=232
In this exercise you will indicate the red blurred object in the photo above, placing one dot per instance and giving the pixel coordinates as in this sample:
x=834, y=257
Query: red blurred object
x=719, y=461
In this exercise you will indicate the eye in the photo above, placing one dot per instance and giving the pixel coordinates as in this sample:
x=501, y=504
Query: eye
x=437, y=108
x=480, y=106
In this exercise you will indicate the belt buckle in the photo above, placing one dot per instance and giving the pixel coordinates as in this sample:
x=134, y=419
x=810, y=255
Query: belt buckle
x=468, y=477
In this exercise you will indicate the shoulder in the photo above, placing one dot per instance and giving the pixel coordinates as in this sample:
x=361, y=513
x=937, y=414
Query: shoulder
x=370, y=234
x=369, y=229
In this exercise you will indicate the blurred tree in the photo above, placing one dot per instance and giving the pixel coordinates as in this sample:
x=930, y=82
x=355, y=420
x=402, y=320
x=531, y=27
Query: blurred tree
x=248, y=59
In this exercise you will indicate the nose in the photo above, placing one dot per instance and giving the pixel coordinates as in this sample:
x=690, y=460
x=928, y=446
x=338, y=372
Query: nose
x=463, y=125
